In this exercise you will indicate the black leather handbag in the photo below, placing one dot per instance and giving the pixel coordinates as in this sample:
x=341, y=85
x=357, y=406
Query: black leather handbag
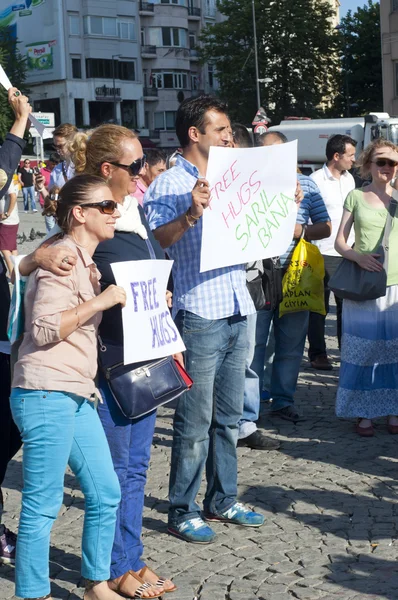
x=351, y=282
x=141, y=388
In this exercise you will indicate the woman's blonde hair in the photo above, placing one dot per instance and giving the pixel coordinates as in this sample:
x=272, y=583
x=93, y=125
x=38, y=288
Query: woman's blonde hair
x=66, y=130
x=365, y=159
x=104, y=144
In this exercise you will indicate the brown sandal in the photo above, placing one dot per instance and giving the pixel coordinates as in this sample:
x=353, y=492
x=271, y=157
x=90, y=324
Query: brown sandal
x=139, y=593
x=160, y=580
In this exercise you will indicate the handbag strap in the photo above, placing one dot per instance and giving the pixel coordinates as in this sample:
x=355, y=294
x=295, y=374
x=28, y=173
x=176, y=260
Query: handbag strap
x=392, y=209
x=150, y=249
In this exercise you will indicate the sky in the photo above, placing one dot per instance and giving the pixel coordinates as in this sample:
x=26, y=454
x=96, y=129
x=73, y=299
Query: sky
x=350, y=5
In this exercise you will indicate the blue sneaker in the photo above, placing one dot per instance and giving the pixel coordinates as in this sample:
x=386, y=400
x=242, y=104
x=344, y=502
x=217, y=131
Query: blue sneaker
x=193, y=530
x=238, y=514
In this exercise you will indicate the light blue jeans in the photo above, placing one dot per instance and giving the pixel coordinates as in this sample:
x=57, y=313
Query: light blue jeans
x=206, y=417
x=29, y=192
x=289, y=332
x=50, y=222
x=58, y=429
x=258, y=327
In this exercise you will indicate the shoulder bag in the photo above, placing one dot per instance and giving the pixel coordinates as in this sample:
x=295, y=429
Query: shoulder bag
x=141, y=388
x=351, y=282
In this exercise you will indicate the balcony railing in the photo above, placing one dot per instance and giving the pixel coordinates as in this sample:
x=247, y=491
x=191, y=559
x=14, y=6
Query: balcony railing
x=151, y=91
x=148, y=50
x=147, y=6
x=193, y=53
x=193, y=11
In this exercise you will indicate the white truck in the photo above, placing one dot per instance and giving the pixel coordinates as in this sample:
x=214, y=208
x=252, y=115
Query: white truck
x=313, y=134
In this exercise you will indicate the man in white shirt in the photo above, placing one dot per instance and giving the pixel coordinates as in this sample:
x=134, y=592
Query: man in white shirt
x=335, y=183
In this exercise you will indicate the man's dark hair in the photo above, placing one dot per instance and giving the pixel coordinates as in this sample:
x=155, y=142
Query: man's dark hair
x=55, y=158
x=278, y=134
x=154, y=156
x=192, y=113
x=241, y=136
x=337, y=143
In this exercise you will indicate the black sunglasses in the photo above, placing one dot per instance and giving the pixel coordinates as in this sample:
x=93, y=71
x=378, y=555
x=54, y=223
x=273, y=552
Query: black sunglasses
x=107, y=207
x=382, y=162
x=135, y=167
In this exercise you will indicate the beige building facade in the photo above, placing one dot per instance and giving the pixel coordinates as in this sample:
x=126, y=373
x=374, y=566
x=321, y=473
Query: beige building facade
x=126, y=61
x=389, y=43
x=170, y=31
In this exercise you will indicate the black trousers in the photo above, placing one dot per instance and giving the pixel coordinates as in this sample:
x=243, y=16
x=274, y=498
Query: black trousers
x=10, y=440
x=316, y=326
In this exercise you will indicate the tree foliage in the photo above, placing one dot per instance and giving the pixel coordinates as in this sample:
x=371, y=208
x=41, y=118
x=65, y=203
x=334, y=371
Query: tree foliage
x=14, y=65
x=296, y=46
x=361, y=86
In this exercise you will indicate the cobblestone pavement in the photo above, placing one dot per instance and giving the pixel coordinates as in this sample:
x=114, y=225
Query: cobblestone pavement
x=330, y=501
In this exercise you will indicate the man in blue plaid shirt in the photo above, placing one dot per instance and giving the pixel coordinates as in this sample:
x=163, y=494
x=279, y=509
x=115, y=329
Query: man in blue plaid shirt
x=210, y=310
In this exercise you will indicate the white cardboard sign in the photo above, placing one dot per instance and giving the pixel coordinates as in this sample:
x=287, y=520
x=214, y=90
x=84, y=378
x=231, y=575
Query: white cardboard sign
x=149, y=331
x=252, y=211
x=6, y=83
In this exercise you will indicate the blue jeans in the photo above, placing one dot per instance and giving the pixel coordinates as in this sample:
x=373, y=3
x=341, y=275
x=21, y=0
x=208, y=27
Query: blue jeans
x=258, y=327
x=26, y=192
x=50, y=222
x=130, y=443
x=289, y=332
x=58, y=429
x=206, y=417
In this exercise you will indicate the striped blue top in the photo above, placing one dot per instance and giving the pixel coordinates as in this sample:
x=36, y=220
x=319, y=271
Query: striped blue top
x=312, y=210
x=214, y=294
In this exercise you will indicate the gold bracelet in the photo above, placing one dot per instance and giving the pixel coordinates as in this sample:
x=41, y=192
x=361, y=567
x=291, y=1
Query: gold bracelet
x=187, y=216
x=77, y=317
x=191, y=215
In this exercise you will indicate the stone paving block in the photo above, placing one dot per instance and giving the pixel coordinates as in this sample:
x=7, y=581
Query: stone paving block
x=330, y=502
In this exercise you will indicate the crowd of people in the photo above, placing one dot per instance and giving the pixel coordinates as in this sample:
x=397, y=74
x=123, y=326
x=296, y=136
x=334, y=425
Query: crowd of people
x=105, y=202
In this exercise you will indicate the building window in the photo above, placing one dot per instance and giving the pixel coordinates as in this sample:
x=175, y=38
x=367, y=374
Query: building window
x=210, y=75
x=126, y=29
x=165, y=120
x=104, y=26
x=396, y=79
x=171, y=80
x=126, y=70
x=79, y=119
x=394, y=5
x=103, y=69
x=76, y=68
x=74, y=24
x=194, y=82
x=192, y=40
x=142, y=36
x=128, y=110
x=174, y=36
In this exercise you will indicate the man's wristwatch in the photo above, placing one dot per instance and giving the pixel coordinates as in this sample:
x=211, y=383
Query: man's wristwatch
x=6, y=215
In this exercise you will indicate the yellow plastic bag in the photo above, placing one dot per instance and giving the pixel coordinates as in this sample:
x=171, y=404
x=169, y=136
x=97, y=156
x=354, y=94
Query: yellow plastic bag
x=302, y=284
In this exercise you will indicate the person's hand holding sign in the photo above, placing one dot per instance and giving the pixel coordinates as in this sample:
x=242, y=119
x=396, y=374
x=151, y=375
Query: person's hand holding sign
x=200, y=201
x=21, y=108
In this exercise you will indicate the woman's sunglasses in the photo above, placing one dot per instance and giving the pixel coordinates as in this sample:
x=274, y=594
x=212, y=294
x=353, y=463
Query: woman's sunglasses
x=107, y=207
x=382, y=162
x=135, y=167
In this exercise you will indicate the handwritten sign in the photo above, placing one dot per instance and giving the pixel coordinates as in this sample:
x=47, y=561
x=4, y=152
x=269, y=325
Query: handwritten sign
x=6, y=83
x=252, y=212
x=149, y=331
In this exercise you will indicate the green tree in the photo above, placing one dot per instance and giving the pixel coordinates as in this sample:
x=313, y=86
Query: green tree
x=14, y=65
x=296, y=46
x=361, y=86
